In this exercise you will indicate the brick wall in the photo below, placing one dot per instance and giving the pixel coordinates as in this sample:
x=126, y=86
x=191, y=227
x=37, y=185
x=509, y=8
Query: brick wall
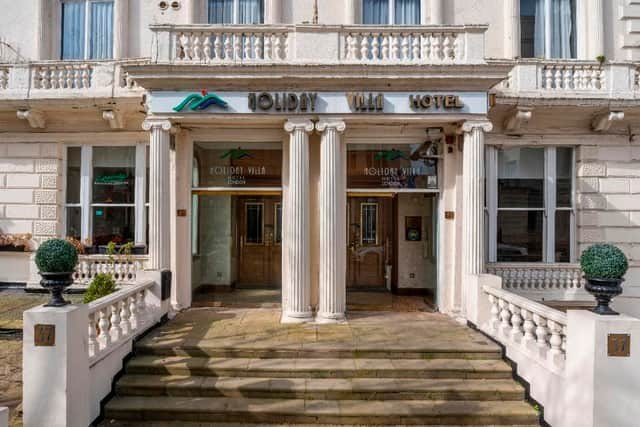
x=608, y=194
x=30, y=177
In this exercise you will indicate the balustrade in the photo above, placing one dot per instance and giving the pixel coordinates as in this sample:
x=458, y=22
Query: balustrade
x=118, y=317
x=4, y=77
x=576, y=77
x=62, y=75
x=123, y=269
x=538, y=330
x=418, y=45
x=539, y=277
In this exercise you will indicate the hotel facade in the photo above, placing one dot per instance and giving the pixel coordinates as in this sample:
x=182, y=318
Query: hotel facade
x=403, y=146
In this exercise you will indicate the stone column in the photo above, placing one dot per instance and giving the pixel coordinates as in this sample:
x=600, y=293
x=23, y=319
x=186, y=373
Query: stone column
x=333, y=206
x=159, y=194
x=350, y=12
x=274, y=9
x=473, y=196
x=296, y=289
x=120, y=28
x=596, y=29
x=437, y=12
x=512, y=29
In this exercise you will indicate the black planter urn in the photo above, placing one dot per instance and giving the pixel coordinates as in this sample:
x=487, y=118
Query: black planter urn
x=604, y=290
x=56, y=283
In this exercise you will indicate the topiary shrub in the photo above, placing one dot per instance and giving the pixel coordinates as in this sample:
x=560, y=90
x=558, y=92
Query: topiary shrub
x=101, y=286
x=603, y=261
x=56, y=256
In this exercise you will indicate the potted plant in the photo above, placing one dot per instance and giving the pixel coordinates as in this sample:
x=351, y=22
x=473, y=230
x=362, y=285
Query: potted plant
x=604, y=266
x=56, y=260
x=102, y=285
x=15, y=242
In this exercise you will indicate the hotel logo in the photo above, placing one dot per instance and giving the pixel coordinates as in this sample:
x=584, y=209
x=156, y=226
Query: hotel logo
x=200, y=101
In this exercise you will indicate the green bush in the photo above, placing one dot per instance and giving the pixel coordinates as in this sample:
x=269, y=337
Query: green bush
x=603, y=261
x=56, y=256
x=101, y=286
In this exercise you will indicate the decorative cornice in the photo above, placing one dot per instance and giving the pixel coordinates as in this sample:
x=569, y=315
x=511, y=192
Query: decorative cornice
x=470, y=125
x=149, y=124
x=331, y=123
x=296, y=124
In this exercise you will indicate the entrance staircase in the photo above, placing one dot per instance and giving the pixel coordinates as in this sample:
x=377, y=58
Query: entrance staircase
x=344, y=384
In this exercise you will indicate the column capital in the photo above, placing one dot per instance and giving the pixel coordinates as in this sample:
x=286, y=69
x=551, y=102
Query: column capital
x=294, y=124
x=469, y=125
x=331, y=123
x=149, y=124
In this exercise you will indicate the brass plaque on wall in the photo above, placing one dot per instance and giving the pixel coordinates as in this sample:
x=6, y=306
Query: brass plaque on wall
x=619, y=345
x=449, y=215
x=44, y=335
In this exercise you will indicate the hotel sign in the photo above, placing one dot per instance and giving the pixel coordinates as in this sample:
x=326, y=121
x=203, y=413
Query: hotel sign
x=289, y=102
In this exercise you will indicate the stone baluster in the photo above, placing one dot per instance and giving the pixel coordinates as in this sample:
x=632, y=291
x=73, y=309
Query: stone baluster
x=364, y=47
x=566, y=77
x=446, y=48
x=217, y=46
x=93, y=344
x=246, y=51
x=116, y=330
x=296, y=295
x=69, y=77
x=505, y=316
x=237, y=46
x=133, y=312
x=516, y=322
x=332, y=304
x=277, y=48
x=495, y=312
x=541, y=331
x=425, y=46
x=103, y=337
x=404, y=46
x=268, y=55
x=206, y=48
x=528, y=326
x=141, y=312
x=257, y=47
x=436, y=48
x=125, y=323
x=557, y=78
x=375, y=48
x=385, y=47
x=228, y=48
x=457, y=47
x=555, y=341
x=395, y=47
x=548, y=78
x=415, y=48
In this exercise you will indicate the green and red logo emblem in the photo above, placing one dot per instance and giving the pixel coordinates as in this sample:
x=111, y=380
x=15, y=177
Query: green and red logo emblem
x=389, y=155
x=201, y=101
x=235, y=154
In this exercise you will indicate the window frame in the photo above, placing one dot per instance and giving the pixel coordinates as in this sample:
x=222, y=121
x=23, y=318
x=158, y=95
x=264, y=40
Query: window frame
x=236, y=13
x=392, y=13
x=549, y=208
x=86, y=204
x=363, y=206
x=248, y=204
x=87, y=29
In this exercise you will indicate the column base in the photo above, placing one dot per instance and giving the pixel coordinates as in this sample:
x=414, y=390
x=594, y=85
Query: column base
x=296, y=317
x=331, y=318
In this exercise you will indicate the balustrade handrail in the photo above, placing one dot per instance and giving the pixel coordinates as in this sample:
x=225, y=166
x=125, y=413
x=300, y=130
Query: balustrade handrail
x=533, y=306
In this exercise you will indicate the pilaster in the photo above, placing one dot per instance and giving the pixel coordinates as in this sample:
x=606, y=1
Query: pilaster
x=437, y=12
x=473, y=203
x=596, y=29
x=296, y=287
x=512, y=29
x=332, y=304
x=159, y=193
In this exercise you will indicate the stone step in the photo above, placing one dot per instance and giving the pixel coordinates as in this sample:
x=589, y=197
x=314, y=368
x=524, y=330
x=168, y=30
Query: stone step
x=234, y=409
x=320, y=388
x=468, y=350
x=320, y=368
x=138, y=423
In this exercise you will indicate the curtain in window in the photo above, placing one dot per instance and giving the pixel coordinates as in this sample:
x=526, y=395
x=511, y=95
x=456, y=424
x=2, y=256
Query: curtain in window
x=561, y=29
x=101, y=36
x=407, y=12
x=375, y=12
x=251, y=12
x=73, y=17
x=220, y=11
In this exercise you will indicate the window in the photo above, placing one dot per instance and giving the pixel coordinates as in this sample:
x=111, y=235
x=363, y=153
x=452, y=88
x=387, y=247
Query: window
x=106, y=194
x=278, y=223
x=195, y=209
x=235, y=11
x=369, y=223
x=548, y=28
x=87, y=29
x=378, y=12
x=530, y=204
x=254, y=217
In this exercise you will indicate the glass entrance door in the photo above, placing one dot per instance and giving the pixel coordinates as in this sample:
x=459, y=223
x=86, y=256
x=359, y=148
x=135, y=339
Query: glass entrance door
x=369, y=241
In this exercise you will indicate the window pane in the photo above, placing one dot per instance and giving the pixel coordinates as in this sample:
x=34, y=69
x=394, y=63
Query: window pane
x=369, y=223
x=278, y=223
x=74, y=223
x=375, y=12
x=563, y=29
x=250, y=12
x=407, y=12
x=564, y=169
x=254, y=219
x=114, y=174
x=563, y=236
x=520, y=236
x=73, y=14
x=115, y=224
x=528, y=30
x=220, y=12
x=195, y=226
x=73, y=174
x=521, y=178
x=101, y=36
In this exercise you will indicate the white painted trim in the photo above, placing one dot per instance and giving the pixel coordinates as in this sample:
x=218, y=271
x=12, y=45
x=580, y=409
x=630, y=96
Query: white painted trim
x=238, y=189
x=86, y=171
x=549, y=222
x=392, y=190
x=140, y=195
x=491, y=174
x=77, y=138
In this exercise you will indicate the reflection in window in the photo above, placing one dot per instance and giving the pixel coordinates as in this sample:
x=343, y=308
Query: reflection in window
x=114, y=174
x=369, y=223
x=254, y=217
x=74, y=222
x=113, y=224
x=520, y=236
